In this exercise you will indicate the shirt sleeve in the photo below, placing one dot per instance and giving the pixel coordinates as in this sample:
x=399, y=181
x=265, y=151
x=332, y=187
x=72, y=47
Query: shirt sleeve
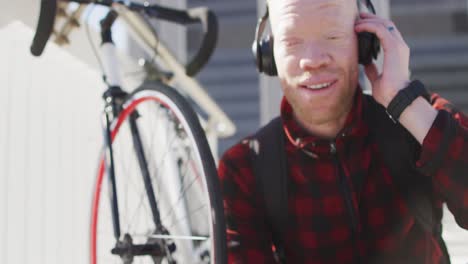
x=444, y=156
x=248, y=238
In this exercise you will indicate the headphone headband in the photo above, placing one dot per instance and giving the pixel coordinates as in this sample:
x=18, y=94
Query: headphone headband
x=261, y=24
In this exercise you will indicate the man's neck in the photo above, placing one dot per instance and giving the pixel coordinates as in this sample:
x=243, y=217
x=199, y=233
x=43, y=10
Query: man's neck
x=328, y=129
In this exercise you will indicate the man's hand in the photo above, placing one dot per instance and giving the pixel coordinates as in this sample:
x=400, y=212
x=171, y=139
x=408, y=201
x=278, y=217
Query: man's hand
x=395, y=72
x=419, y=116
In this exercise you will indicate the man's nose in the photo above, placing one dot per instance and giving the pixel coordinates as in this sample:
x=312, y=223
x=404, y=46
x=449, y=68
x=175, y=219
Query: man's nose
x=314, y=58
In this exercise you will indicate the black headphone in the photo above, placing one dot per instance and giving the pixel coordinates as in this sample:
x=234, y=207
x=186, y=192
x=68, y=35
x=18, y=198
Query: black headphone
x=368, y=45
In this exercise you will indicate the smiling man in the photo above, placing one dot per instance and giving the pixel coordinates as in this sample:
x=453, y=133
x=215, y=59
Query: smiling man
x=366, y=176
x=318, y=68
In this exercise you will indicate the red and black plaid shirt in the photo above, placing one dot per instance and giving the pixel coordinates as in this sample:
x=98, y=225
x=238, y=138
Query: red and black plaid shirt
x=319, y=229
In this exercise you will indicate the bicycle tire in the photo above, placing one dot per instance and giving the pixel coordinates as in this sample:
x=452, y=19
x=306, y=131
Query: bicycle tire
x=170, y=104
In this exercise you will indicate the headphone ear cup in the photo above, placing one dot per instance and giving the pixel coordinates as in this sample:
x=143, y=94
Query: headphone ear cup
x=369, y=47
x=268, y=64
x=257, y=52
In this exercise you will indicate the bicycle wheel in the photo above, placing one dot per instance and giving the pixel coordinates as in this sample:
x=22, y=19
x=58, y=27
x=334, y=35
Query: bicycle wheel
x=184, y=182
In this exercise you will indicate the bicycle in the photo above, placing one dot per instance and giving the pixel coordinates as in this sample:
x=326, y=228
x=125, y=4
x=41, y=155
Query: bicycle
x=155, y=156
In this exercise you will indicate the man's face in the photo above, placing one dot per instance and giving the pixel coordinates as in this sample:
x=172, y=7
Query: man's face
x=316, y=45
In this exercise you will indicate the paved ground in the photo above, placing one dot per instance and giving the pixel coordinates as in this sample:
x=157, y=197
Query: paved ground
x=456, y=239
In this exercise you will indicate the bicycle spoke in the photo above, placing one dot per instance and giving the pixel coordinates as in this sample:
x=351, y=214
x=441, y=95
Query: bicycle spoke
x=143, y=194
x=126, y=171
x=141, y=202
x=180, y=237
x=189, y=153
x=163, y=159
x=152, y=141
x=135, y=187
x=190, y=213
x=182, y=190
x=140, y=190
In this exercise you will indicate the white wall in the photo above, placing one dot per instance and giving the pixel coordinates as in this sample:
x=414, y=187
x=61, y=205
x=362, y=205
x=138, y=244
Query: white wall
x=49, y=141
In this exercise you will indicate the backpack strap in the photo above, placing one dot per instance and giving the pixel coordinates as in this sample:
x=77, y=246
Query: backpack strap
x=268, y=155
x=398, y=149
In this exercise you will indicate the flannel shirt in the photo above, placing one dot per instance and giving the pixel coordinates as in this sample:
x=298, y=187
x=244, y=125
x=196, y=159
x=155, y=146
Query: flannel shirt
x=370, y=224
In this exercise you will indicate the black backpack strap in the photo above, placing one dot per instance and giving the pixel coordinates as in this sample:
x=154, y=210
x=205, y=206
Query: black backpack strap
x=268, y=155
x=398, y=149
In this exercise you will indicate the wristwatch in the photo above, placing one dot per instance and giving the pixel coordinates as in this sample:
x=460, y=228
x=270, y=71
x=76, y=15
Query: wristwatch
x=405, y=97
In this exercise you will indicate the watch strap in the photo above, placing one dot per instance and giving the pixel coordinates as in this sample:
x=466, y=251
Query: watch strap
x=405, y=97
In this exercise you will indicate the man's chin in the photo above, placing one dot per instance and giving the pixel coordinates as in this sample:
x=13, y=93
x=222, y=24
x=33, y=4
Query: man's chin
x=324, y=112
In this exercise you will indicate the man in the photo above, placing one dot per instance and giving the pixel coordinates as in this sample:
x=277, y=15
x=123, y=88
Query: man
x=330, y=219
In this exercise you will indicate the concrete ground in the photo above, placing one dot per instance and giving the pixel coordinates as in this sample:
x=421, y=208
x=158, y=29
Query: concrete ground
x=456, y=239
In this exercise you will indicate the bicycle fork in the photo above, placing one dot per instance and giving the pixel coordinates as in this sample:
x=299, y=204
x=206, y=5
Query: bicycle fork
x=114, y=97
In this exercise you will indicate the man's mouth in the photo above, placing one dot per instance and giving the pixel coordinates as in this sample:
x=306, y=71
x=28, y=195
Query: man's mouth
x=318, y=86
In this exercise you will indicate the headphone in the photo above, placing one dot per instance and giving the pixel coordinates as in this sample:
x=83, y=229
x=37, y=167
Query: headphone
x=262, y=48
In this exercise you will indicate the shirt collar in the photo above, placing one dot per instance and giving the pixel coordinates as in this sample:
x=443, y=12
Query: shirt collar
x=315, y=146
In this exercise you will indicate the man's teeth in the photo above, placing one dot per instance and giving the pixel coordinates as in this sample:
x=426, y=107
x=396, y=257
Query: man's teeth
x=318, y=86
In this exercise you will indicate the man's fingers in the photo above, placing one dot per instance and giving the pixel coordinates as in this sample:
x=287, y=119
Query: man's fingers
x=391, y=41
x=376, y=20
x=371, y=72
x=367, y=15
x=386, y=23
x=378, y=29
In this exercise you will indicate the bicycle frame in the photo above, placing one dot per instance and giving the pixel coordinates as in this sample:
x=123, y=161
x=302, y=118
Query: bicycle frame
x=113, y=98
x=218, y=122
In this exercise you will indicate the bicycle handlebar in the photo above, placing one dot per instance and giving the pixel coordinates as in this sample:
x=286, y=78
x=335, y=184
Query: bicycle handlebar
x=193, y=15
x=210, y=27
x=201, y=15
x=45, y=25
